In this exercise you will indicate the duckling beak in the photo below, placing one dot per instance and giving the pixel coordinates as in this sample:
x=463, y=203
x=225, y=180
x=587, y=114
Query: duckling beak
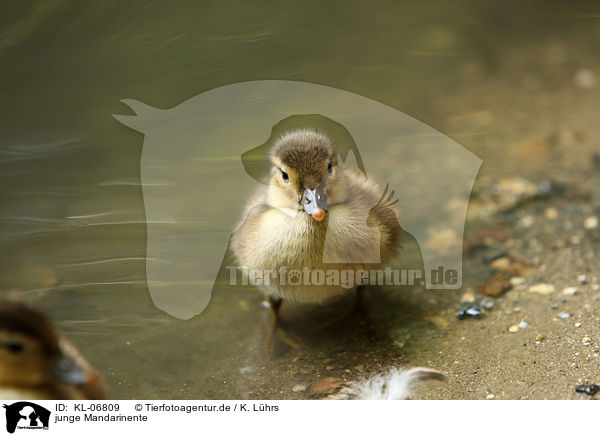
x=314, y=202
x=67, y=371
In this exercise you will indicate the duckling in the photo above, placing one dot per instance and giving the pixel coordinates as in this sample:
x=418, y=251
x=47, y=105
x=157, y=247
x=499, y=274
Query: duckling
x=316, y=213
x=37, y=363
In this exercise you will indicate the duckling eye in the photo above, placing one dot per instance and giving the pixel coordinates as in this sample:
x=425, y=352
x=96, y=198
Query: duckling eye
x=284, y=176
x=14, y=347
x=329, y=169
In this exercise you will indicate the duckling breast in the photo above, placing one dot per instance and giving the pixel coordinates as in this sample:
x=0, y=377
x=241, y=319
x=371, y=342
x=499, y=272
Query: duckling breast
x=292, y=247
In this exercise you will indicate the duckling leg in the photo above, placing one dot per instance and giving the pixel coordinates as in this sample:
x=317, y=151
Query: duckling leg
x=275, y=327
x=274, y=305
x=359, y=306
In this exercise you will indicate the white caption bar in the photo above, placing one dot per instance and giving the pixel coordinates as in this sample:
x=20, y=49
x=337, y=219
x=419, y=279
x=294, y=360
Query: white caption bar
x=292, y=417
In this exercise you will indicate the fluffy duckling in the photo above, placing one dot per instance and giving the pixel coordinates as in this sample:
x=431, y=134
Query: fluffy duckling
x=316, y=213
x=36, y=363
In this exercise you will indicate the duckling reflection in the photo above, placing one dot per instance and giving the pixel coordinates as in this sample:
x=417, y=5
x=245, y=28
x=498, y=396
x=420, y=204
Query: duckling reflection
x=37, y=363
x=313, y=199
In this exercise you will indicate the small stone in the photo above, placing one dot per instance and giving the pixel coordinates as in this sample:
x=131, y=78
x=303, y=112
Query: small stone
x=590, y=223
x=326, y=386
x=564, y=315
x=128, y=344
x=298, y=388
x=540, y=338
x=523, y=324
x=486, y=304
x=590, y=389
x=248, y=370
x=586, y=340
x=571, y=290
x=513, y=328
x=577, y=325
x=527, y=221
x=468, y=297
x=501, y=264
x=542, y=288
x=517, y=281
x=490, y=396
x=575, y=239
x=329, y=367
x=472, y=310
x=551, y=213
x=582, y=278
x=584, y=79
x=494, y=286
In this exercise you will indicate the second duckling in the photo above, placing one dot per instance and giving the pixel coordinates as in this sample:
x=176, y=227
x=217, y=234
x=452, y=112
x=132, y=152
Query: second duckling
x=36, y=363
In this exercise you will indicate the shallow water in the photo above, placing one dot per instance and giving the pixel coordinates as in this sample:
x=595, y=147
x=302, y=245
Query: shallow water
x=72, y=222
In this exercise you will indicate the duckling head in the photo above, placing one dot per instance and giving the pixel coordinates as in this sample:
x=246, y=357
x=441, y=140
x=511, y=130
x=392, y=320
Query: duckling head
x=30, y=354
x=305, y=174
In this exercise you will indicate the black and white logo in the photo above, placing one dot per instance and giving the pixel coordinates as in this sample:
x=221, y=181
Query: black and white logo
x=26, y=415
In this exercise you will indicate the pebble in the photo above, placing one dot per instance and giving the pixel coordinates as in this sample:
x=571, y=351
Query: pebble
x=590, y=389
x=513, y=328
x=564, y=315
x=584, y=79
x=501, y=264
x=326, y=386
x=490, y=396
x=486, y=304
x=542, y=288
x=582, y=278
x=527, y=221
x=495, y=285
x=571, y=290
x=577, y=325
x=551, y=213
x=539, y=338
x=299, y=388
x=470, y=311
x=468, y=297
x=591, y=223
x=517, y=281
x=586, y=340
x=575, y=240
x=523, y=324
x=248, y=370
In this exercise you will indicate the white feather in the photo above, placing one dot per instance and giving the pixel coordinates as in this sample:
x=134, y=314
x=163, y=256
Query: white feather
x=393, y=384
